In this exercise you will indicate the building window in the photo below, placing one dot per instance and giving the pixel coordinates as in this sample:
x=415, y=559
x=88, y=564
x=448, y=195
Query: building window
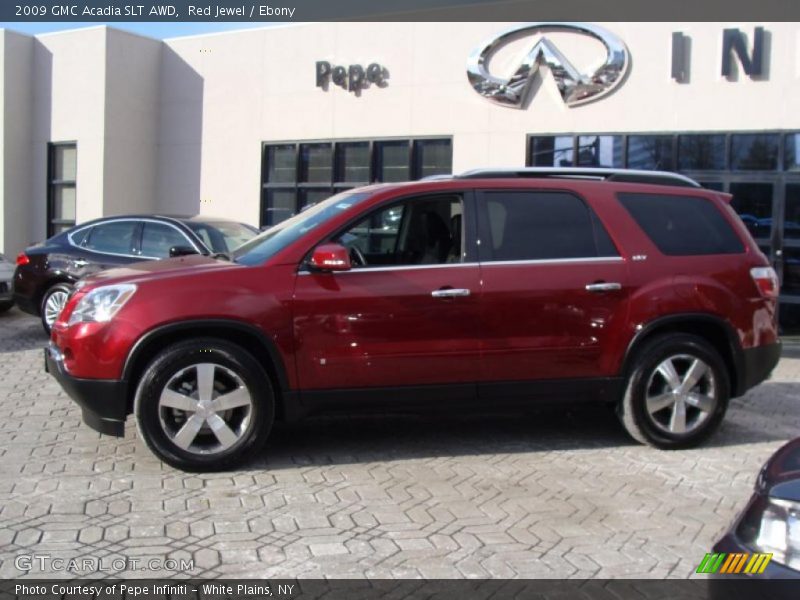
x=62, y=169
x=701, y=152
x=651, y=152
x=296, y=175
x=754, y=152
x=552, y=151
x=791, y=155
x=600, y=151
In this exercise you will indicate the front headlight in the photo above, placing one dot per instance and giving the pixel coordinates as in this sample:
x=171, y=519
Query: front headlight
x=101, y=304
x=773, y=527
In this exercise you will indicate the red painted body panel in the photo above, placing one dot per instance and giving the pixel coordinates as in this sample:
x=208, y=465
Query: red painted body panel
x=382, y=328
x=539, y=322
x=376, y=328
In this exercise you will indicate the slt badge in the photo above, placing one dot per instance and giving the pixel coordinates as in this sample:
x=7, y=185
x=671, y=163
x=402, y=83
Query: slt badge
x=576, y=88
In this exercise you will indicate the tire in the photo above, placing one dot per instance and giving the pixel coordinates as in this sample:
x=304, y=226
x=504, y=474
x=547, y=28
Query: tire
x=53, y=297
x=166, y=429
x=6, y=306
x=651, y=412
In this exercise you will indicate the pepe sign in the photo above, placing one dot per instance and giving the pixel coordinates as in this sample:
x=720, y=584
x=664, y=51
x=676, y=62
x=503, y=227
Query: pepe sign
x=353, y=78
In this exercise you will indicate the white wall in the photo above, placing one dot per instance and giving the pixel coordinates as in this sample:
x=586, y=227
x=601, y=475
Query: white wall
x=16, y=91
x=177, y=126
x=258, y=85
x=69, y=105
x=131, y=123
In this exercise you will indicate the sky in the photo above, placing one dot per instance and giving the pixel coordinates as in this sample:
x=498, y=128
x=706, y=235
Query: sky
x=155, y=30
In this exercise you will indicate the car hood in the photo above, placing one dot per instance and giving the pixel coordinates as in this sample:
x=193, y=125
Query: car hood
x=780, y=475
x=158, y=269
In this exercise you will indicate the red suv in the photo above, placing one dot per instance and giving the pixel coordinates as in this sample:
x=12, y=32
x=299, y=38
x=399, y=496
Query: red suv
x=637, y=289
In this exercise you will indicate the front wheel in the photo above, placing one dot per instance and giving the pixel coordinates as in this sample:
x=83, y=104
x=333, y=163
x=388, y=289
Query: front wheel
x=204, y=405
x=677, y=392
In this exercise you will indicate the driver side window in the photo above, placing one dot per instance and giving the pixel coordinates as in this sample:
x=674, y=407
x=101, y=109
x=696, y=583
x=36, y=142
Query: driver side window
x=419, y=231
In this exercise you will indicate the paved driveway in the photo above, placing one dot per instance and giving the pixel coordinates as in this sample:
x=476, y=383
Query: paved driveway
x=550, y=494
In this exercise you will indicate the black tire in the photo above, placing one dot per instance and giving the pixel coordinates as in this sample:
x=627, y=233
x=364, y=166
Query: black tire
x=59, y=288
x=153, y=419
x=6, y=306
x=643, y=379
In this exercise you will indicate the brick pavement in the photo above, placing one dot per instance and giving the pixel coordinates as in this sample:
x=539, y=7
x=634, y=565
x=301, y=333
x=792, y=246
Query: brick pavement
x=550, y=494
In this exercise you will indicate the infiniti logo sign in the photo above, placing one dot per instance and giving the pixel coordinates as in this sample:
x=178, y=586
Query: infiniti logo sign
x=575, y=87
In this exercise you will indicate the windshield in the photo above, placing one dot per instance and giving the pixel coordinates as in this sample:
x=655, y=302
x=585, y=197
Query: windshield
x=276, y=238
x=222, y=236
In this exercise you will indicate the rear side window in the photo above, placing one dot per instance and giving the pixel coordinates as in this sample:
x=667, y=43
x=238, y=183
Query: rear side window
x=682, y=225
x=523, y=225
x=113, y=238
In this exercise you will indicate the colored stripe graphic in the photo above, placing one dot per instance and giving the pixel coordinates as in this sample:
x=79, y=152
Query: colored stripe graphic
x=733, y=563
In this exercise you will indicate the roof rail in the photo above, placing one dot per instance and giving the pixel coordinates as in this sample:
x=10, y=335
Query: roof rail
x=619, y=175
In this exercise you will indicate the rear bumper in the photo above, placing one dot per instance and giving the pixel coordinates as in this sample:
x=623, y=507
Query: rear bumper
x=104, y=402
x=757, y=364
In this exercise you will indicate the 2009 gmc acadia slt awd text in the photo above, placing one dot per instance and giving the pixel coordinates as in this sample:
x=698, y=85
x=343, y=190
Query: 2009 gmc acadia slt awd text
x=490, y=288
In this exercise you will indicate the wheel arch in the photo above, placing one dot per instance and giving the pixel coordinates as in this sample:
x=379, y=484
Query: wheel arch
x=713, y=329
x=244, y=335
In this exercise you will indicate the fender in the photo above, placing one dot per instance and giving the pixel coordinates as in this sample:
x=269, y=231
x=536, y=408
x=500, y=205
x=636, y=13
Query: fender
x=735, y=356
x=222, y=324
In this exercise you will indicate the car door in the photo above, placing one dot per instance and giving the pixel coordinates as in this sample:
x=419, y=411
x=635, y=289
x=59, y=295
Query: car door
x=406, y=314
x=554, y=287
x=108, y=245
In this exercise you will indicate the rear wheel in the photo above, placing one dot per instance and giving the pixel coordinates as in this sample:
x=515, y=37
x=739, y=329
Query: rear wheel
x=204, y=405
x=677, y=392
x=53, y=302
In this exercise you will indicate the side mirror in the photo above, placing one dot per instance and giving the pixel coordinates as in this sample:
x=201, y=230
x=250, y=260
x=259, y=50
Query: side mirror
x=181, y=251
x=330, y=257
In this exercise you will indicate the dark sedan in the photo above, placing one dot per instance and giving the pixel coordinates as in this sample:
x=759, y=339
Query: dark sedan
x=767, y=533
x=47, y=271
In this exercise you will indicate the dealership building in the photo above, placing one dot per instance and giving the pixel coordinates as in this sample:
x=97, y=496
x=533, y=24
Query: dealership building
x=255, y=124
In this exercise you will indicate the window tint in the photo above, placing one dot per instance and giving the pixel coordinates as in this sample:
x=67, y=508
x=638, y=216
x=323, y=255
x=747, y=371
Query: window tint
x=682, y=225
x=543, y=226
x=158, y=238
x=79, y=237
x=113, y=238
x=422, y=231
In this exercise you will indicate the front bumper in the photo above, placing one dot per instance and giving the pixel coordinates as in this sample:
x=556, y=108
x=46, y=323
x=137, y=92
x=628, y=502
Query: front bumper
x=757, y=364
x=104, y=402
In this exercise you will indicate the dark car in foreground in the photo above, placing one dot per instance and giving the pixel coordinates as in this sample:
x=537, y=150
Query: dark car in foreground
x=47, y=272
x=637, y=289
x=770, y=524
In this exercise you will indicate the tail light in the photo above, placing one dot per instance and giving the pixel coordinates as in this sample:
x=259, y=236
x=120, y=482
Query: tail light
x=766, y=281
x=22, y=259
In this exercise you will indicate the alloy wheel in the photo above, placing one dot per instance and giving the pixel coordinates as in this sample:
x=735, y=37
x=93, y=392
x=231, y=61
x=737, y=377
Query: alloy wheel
x=681, y=394
x=54, y=305
x=205, y=408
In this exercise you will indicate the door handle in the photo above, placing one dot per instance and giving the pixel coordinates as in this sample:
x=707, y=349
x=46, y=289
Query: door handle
x=79, y=262
x=450, y=293
x=602, y=286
